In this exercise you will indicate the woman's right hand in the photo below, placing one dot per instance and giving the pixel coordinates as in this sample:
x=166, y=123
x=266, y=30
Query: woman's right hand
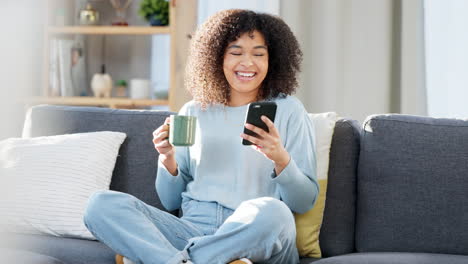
x=166, y=150
x=161, y=140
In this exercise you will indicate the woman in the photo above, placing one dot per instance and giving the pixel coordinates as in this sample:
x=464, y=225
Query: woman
x=236, y=200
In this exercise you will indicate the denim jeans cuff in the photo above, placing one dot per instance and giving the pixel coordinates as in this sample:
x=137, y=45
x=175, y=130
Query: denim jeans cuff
x=181, y=257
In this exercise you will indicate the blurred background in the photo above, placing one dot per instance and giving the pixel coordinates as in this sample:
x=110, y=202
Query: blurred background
x=361, y=57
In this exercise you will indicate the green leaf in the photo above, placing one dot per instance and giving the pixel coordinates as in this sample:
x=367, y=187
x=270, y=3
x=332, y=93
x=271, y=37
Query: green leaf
x=160, y=8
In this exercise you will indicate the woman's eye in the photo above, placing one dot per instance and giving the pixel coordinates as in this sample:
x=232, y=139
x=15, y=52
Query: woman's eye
x=259, y=55
x=236, y=54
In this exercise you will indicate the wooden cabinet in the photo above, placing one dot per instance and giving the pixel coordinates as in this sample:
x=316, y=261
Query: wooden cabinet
x=54, y=31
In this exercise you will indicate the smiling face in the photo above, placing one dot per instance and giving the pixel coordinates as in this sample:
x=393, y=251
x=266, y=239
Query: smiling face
x=245, y=66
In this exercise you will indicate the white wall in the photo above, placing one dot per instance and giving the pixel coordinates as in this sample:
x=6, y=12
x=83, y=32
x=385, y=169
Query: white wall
x=209, y=7
x=20, y=65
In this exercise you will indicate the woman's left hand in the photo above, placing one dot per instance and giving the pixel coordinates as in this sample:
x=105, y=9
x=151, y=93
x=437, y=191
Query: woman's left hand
x=269, y=144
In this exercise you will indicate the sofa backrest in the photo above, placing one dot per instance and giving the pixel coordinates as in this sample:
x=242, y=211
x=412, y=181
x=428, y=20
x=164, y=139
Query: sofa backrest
x=136, y=165
x=413, y=185
x=338, y=229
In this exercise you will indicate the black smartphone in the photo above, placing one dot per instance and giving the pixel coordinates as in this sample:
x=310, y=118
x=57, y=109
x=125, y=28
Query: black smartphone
x=254, y=112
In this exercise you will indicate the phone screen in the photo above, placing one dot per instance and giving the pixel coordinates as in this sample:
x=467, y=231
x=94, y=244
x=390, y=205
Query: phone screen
x=255, y=111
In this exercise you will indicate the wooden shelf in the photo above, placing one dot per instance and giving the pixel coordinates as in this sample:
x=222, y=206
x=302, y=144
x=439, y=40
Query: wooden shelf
x=52, y=31
x=110, y=30
x=112, y=102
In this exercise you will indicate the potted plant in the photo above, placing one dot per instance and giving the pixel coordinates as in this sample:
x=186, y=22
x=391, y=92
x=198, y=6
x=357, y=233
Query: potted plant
x=156, y=12
x=121, y=88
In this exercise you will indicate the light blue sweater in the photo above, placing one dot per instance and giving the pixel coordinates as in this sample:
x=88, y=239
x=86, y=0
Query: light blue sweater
x=219, y=168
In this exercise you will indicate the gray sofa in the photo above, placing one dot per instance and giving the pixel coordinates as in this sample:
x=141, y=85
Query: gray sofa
x=397, y=190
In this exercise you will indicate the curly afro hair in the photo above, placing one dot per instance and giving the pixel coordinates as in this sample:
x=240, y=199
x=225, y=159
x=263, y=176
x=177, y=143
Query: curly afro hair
x=205, y=78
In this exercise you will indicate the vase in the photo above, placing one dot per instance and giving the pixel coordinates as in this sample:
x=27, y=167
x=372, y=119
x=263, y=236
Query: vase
x=139, y=88
x=101, y=85
x=89, y=16
x=154, y=21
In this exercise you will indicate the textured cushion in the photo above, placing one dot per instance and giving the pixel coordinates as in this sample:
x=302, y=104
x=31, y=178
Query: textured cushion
x=337, y=233
x=136, y=166
x=394, y=258
x=413, y=185
x=53, y=177
x=67, y=250
x=308, y=224
x=307, y=260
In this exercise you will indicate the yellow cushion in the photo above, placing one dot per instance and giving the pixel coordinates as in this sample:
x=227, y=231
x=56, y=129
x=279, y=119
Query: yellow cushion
x=308, y=224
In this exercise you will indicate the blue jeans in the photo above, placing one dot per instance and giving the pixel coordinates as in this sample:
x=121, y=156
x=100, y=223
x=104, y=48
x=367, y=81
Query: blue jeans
x=261, y=230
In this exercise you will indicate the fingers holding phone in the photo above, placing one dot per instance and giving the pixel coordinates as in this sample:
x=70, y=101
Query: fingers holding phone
x=260, y=134
x=268, y=143
x=260, y=131
x=253, y=117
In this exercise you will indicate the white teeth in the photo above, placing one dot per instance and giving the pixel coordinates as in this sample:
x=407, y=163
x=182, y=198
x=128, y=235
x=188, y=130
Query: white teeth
x=244, y=74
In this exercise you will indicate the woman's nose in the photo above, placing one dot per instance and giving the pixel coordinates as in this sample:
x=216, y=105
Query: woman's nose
x=247, y=61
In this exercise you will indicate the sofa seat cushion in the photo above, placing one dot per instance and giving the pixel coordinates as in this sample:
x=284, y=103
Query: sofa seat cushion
x=26, y=257
x=67, y=250
x=393, y=258
x=308, y=260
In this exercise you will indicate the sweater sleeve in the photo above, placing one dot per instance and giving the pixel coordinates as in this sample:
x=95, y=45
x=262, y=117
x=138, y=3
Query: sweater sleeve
x=298, y=181
x=168, y=187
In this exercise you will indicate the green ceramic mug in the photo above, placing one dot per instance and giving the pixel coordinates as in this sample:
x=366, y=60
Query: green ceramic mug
x=182, y=130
